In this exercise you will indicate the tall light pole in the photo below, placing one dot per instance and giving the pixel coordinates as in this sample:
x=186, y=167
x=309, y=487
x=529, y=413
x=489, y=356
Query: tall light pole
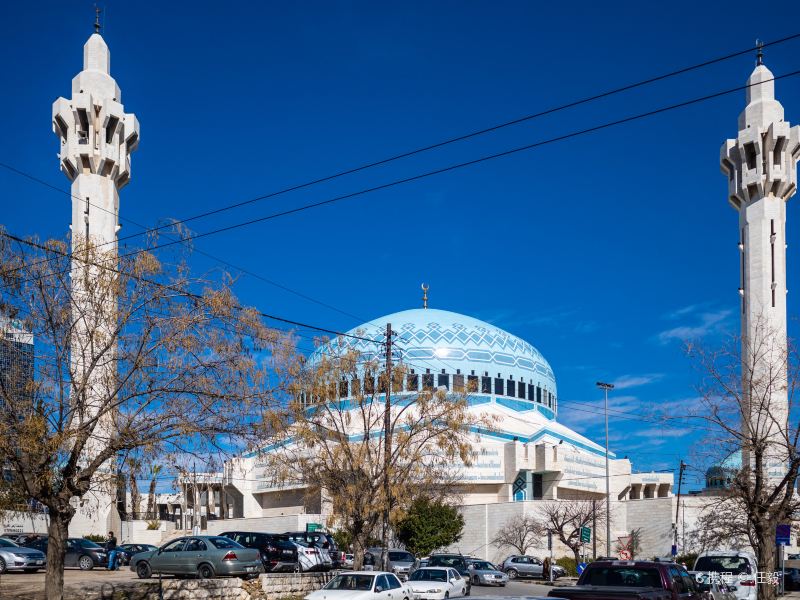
x=605, y=387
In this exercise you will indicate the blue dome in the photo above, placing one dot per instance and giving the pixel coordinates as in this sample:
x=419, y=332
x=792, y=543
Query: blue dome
x=439, y=342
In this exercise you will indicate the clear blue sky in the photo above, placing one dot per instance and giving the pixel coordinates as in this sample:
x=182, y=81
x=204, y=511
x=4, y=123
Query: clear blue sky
x=603, y=251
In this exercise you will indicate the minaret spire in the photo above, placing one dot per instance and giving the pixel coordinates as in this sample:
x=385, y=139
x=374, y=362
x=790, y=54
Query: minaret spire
x=762, y=176
x=96, y=19
x=759, y=53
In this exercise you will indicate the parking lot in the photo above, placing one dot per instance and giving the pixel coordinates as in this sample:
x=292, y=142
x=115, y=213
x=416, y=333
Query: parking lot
x=25, y=586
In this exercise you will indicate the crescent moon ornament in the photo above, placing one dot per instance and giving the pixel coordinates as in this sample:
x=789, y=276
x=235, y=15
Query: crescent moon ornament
x=425, y=287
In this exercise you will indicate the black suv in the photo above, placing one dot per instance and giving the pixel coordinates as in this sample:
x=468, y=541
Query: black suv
x=277, y=553
x=323, y=540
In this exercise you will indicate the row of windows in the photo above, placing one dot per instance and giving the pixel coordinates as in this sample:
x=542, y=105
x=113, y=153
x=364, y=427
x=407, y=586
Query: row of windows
x=456, y=382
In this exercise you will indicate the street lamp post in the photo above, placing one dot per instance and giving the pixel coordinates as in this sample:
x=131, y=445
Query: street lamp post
x=605, y=387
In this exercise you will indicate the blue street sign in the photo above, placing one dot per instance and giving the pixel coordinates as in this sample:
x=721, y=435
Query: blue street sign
x=783, y=535
x=581, y=567
x=674, y=550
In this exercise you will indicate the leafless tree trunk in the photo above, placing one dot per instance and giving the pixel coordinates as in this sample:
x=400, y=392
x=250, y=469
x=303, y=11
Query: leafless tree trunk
x=520, y=533
x=564, y=518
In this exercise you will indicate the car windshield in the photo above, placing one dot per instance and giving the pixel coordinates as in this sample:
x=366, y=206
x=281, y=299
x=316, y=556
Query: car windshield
x=224, y=543
x=351, y=581
x=89, y=544
x=5, y=543
x=484, y=565
x=736, y=565
x=429, y=575
x=401, y=557
x=623, y=576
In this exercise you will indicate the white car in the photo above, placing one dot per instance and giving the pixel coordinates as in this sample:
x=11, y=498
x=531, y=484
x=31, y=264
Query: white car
x=363, y=585
x=312, y=559
x=437, y=583
x=738, y=570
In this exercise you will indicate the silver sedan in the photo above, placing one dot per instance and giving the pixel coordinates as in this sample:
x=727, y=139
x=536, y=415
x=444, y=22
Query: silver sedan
x=204, y=556
x=19, y=558
x=482, y=572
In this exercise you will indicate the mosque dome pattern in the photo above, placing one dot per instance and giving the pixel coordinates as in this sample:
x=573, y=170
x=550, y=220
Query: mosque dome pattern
x=444, y=343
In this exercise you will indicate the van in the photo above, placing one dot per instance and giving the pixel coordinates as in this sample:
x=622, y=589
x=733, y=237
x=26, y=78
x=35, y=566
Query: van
x=741, y=566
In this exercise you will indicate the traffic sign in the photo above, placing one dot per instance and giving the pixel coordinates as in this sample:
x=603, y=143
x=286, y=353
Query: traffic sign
x=586, y=534
x=549, y=540
x=783, y=535
x=313, y=526
x=581, y=567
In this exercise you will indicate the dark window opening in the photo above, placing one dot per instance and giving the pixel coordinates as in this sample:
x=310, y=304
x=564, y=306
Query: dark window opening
x=369, y=384
x=511, y=388
x=343, y=389
x=111, y=129
x=486, y=385
x=776, y=153
x=498, y=386
x=538, y=394
x=443, y=380
x=537, y=486
x=472, y=383
x=412, y=382
x=458, y=383
x=750, y=155
x=521, y=390
x=531, y=392
x=427, y=382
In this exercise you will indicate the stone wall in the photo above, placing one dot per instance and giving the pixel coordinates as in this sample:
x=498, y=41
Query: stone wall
x=284, y=585
x=173, y=589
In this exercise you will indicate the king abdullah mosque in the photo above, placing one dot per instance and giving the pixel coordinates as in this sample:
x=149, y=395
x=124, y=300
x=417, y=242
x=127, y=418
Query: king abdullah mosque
x=528, y=459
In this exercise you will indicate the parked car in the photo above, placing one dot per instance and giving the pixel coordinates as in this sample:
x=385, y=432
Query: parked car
x=400, y=561
x=739, y=566
x=126, y=551
x=80, y=552
x=791, y=579
x=320, y=539
x=631, y=580
x=519, y=565
x=205, y=556
x=363, y=585
x=459, y=562
x=348, y=561
x=438, y=583
x=14, y=557
x=558, y=571
x=713, y=588
x=482, y=572
x=311, y=559
x=278, y=553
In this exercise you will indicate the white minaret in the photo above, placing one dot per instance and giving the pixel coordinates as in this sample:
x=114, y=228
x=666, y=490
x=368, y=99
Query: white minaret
x=97, y=138
x=761, y=168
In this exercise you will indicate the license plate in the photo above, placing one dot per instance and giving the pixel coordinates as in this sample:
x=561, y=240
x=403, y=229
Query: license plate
x=287, y=552
x=39, y=562
x=250, y=569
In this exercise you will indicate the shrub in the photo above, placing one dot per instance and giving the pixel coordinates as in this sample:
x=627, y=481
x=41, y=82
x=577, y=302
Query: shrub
x=569, y=564
x=93, y=537
x=153, y=525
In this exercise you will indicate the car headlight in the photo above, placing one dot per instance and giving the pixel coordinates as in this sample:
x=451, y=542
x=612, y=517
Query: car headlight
x=435, y=591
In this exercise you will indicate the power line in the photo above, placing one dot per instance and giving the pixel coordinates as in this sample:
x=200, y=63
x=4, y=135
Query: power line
x=461, y=165
x=186, y=292
x=429, y=147
x=453, y=140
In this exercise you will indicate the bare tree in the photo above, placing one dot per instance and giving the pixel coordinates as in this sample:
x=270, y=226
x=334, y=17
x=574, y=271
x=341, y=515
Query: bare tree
x=721, y=524
x=746, y=396
x=520, y=533
x=564, y=518
x=332, y=442
x=147, y=360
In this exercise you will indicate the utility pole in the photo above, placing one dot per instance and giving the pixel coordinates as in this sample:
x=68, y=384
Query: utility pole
x=678, y=507
x=387, y=449
x=594, y=529
x=605, y=387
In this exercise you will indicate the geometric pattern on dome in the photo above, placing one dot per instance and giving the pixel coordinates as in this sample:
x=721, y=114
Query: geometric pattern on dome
x=426, y=340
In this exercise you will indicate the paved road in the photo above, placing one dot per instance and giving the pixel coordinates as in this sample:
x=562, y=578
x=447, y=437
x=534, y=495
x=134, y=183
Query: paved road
x=31, y=585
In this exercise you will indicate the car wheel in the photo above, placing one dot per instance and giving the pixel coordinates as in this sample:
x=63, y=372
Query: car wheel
x=143, y=570
x=446, y=595
x=476, y=580
x=2, y=566
x=86, y=563
x=502, y=585
x=512, y=573
x=205, y=571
